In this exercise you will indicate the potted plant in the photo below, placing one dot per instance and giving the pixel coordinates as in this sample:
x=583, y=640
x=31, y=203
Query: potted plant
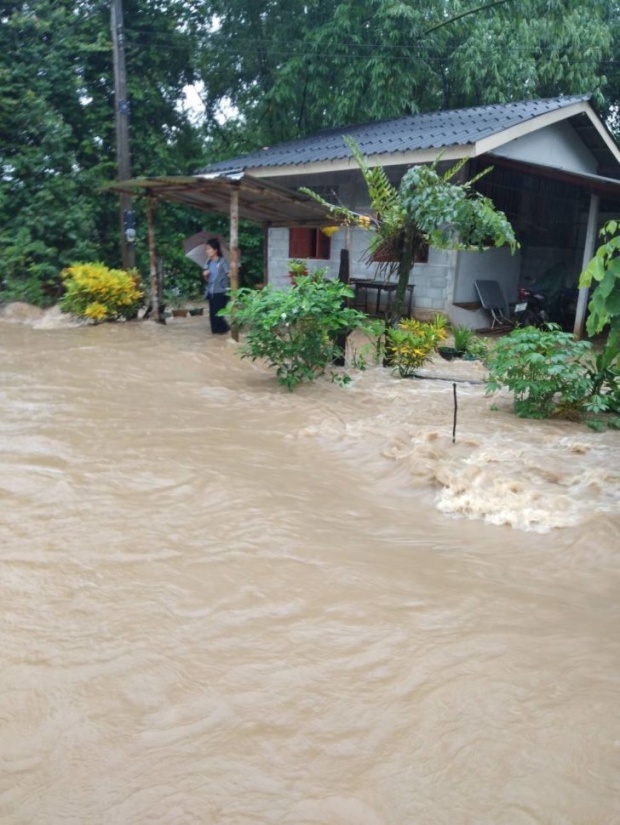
x=448, y=353
x=462, y=339
x=175, y=302
x=297, y=269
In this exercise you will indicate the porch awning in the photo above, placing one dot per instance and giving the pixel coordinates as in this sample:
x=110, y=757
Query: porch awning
x=259, y=201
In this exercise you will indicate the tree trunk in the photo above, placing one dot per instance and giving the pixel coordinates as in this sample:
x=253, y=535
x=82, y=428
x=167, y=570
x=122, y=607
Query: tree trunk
x=405, y=265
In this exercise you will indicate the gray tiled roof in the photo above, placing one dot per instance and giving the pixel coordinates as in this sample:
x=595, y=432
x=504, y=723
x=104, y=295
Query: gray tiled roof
x=435, y=130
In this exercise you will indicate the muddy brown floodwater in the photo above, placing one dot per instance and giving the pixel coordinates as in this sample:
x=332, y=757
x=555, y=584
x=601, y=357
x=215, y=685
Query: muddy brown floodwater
x=224, y=604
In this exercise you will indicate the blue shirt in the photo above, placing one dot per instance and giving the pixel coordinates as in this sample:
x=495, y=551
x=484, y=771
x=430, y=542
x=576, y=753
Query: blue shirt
x=212, y=267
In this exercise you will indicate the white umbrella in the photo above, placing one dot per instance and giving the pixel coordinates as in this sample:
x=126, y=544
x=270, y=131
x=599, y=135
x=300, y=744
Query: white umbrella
x=195, y=247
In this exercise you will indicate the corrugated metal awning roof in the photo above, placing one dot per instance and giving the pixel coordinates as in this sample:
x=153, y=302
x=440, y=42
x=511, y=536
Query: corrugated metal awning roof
x=259, y=201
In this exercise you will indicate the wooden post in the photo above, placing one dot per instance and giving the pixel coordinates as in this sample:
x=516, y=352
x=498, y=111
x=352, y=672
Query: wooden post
x=347, y=238
x=588, y=253
x=344, y=270
x=265, y=253
x=234, y=248
x=155, y=307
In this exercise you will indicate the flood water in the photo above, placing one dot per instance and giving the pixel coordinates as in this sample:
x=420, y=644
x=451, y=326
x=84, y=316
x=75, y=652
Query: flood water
x=224, y=604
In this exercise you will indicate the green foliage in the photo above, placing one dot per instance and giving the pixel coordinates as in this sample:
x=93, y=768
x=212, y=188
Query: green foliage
x=295, y=331
x=412, y=343
x=603, y=370
x=385, y=202
x=604, y=313
x=477, y=349
x=452, y=215
x=546, y=371
x=279, y=63
x=98, y=293
x=469, y=344
x=462, y=338
x=297, y=269
x=426, y=209
x=604, y=269
x=57, y=135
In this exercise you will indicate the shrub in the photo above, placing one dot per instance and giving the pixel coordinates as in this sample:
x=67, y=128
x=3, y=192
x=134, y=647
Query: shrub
x=298, y=269
x=604, y=373
x=300, y=331
x=412, y=342
x=94, y=291
x=477, y=348
x=604, y=308
x=544, y=369
x=462, y=338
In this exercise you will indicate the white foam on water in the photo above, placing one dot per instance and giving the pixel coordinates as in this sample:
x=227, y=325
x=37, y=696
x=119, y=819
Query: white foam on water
x=18, y=312
x=503, y=470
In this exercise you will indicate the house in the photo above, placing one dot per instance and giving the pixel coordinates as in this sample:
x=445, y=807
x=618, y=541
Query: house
x=555, y=173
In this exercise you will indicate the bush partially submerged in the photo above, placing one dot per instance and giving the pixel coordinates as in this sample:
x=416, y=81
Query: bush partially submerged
x=299, y=332
x=98, y=293
x=551, y=373
x=411, y=343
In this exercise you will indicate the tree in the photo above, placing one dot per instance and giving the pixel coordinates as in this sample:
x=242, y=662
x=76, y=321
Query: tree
x=57, y=131
x=604, y=269
x=292, y=67
x=426, y=209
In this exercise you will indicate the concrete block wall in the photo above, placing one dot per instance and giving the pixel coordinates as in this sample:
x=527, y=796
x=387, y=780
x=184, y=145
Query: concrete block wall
x=279, y=258
x=433, y=281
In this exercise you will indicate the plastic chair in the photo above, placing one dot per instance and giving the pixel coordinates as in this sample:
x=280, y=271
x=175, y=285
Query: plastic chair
x=493, y=300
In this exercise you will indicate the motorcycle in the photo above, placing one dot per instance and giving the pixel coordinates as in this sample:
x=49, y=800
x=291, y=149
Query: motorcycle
x=531, y=308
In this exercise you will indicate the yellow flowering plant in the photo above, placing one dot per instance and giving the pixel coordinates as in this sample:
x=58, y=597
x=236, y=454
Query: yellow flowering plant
x=413, y=342
x=98, y=293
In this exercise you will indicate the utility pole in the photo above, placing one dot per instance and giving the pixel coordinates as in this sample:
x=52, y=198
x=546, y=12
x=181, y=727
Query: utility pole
x=121, y=114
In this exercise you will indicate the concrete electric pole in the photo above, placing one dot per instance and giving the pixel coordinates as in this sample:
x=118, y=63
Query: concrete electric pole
x=121, y=112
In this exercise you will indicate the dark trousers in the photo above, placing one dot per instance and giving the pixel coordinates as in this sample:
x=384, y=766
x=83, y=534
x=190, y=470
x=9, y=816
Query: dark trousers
x=218, y=301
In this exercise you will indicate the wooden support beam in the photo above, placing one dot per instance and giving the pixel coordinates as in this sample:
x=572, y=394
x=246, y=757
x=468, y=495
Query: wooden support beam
x=154, y=280
x=234, y=248
x=588, y=254
x=265, y=253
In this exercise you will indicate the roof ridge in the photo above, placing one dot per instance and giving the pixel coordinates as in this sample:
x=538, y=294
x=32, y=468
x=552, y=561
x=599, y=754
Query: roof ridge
x=567, y=99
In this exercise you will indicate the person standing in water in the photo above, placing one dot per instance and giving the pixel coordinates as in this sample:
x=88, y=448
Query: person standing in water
x=217, y=282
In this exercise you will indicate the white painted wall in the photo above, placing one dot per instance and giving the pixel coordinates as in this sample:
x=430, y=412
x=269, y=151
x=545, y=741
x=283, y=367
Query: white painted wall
x=493, y=264
x=557, y=145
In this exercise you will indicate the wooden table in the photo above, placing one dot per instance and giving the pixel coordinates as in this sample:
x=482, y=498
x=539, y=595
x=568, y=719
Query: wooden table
x=389, y=287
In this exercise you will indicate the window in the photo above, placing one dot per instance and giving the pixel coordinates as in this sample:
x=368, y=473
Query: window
x=308, y=243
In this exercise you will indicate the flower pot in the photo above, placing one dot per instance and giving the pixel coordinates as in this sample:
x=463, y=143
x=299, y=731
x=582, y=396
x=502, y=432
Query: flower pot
x=179, y=313
x=196, y=311
x=448, y=353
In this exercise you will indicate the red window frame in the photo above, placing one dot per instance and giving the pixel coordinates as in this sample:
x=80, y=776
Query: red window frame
x=308, y=243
